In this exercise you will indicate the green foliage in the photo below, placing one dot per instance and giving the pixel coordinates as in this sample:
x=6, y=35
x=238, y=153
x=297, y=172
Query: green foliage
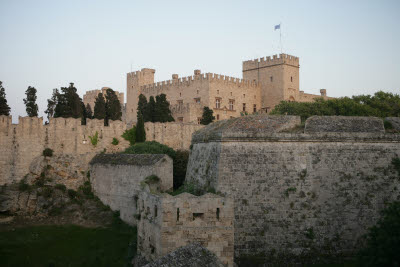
x=383, y=240
x=151, y=109
x=4, y=107
x=113, y=106
x=68, y=245
x=61, y=187
x=99, y=111
x=47, y=192
x=115, y=141
x=207, y=117
x=51, y=104
x=40, y=181
x=23, y=185
x=89, y=112
x=152, y=179
x=86, y=189
x=130, y=135
x=68, y=103
x=388, y=125
x=380, y=105
x=48, y=152
x=142, y=107
x=290, y=190
x=72, y=193
x=180, y=165
x=162, y=113
x=140, y=131
x=30, y=102
x=150, y=147
x=396, y=164
x=94, y=139
x=310, y=233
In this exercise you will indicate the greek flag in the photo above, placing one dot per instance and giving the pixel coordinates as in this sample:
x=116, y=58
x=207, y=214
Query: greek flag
x=277, y=27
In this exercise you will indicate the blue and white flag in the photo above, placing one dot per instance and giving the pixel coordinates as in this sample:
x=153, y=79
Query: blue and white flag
x=277, y=27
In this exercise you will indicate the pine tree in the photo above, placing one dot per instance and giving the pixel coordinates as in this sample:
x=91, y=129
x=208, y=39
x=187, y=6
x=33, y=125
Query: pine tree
x=30, y=102
x=140, y=131
x=151, y=109
x=89, y=113
x=51, y=104
x=207, y=117
x=142, y=106
x=4, y=108
x=69, y=104
x=113, y=106
x=99, y=107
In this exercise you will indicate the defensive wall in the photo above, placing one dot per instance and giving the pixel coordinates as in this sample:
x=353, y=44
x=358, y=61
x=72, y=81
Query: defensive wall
x=116, y=179
x=21, y=143
x=321, y=188
x=169, y=222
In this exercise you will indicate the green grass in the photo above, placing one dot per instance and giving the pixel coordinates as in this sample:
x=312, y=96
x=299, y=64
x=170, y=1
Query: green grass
x=69, y=245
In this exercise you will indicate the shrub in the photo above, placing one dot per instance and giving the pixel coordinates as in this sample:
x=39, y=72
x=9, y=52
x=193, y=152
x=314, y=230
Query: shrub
x=86, y=189
x=47, y=192
x=180, y=165
x=94, y=139
x=40, y=181
x=115, y=141
x=388, y=125
x=396, y=164
x=23, y=185
x=152, y=179
x=60, y=187
x=48, y=152
x=383, y=240
x=151, y=147
x=130, y=135
x=72, y=193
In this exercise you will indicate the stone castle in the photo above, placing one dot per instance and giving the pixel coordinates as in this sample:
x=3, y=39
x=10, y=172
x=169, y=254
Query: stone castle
x=266, y=82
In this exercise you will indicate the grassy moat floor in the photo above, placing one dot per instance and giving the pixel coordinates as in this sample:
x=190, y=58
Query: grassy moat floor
x=67, y=245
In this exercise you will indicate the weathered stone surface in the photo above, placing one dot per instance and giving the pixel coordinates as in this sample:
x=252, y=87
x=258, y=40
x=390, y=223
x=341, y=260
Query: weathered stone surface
x=252, y=126
x=169, y=222
x=116, y=179
x=296, y=191
x=395, y=121
x=343, y=124
x=193, y=255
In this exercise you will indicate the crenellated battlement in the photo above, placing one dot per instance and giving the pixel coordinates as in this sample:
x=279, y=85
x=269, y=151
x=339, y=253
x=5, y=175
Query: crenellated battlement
x=268, y=61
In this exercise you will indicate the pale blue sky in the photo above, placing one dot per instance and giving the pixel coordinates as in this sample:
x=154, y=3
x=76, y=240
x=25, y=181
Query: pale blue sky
x=348, y=47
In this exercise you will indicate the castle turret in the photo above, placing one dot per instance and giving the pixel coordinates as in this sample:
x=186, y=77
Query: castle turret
x=134, y=81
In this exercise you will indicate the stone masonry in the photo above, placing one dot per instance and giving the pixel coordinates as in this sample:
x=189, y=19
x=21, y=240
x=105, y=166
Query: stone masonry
x=116, y=179
x=169, y=222
x=297, y=191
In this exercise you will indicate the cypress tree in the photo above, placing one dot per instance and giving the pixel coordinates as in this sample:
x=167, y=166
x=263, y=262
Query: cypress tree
x=142, y=107
x=30, y=102
x=207, y=117
x=113, y=106
x=69, y=104
x=150, y=109
x=140, y=131
x=163, y=107
x=51, y=104
x=84, y=114
x=89, y=113
x=99, y=107
x=4, y=108
x=158, y=112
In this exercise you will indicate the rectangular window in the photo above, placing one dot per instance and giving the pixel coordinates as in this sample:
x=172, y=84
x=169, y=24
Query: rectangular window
x=244, y=106
x=217, y=103
x=291, y=78
x=217, y=117
x=198, y=120
x=231, y=104
x=197, y=100
x=180, y=119
x=254, y=108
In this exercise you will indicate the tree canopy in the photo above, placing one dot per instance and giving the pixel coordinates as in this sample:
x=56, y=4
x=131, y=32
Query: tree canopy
x=4, y=107
x=140, y=131
x=99, y=107
x=89, y=113
x=381, y=104
x=207, y=117
x=68, y=103
x=155, y=110
x=113, y=106
x=32, y=108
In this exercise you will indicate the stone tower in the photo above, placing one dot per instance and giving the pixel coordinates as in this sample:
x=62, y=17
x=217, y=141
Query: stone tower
x=278, y=76
x=134, y=81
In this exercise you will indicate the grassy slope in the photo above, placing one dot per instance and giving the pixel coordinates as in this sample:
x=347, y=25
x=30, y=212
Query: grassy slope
x=67, y=246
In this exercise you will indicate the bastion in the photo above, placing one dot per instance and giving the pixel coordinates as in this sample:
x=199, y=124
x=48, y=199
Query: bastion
x=295, y=190
x=116, y=179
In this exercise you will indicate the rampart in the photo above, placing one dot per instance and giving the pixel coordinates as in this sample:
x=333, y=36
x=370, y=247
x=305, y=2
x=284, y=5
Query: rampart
x=21, y=143
x=169, y=222
x=268, y=61
x=297, y=191
x=116, y=179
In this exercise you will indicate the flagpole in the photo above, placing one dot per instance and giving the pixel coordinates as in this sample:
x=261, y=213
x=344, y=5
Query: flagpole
x=280, y=35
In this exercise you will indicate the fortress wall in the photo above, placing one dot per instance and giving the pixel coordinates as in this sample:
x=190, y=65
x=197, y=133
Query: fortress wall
x=21, y=143
x=268, y=61
x=293, y=192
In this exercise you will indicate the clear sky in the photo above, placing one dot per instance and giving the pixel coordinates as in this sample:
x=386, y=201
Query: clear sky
x=348, y=47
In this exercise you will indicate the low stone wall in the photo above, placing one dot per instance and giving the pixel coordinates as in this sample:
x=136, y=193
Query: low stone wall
x=296, y=191
x=169, y=222
x=343, y=124
x=116, y=179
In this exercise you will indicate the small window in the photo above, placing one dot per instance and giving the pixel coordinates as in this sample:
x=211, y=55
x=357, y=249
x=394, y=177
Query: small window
x=218, y=214
x=231, y=93
x=155, y=211
x=197, y=100
x=217, y=103
x=177, y=214
x=197, y=91
x=244, y=95
x=198, y=215
x=254, y=108
x=217, y=117
x=291, y=78
x=180, y=119
x=217, y=92
x=244, y=106
x=230, y=104
x=272, y=79
x=180, y=94
x=198, y=120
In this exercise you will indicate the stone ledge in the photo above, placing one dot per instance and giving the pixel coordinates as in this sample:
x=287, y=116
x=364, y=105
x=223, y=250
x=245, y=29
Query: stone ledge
x=344, y=124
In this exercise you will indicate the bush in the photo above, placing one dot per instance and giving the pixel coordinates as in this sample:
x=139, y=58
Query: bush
x=40, y=181
x=152, y=179
x=94, y=139
x=383, y=240
x=388, y=125
x=23, y=185
x=72, y=193
x=48, y=152
x=151, y=147
x=86, y=189
x=60, y=187
x=115, y=141
x=47, y=192
x=180, y=165
x=130, y=135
